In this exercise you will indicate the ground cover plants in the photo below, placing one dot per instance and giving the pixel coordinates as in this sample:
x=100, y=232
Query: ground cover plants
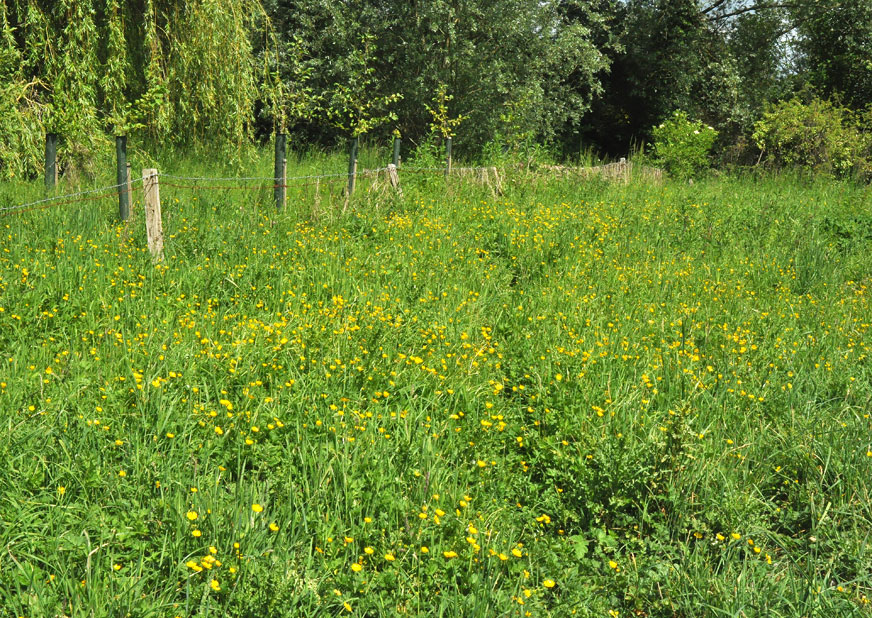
x=570, y=399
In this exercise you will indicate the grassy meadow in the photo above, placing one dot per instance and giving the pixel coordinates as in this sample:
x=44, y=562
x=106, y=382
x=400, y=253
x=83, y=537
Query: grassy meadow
x=571, y=399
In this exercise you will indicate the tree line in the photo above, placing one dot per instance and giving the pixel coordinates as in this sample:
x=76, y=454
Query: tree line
x=506, y=76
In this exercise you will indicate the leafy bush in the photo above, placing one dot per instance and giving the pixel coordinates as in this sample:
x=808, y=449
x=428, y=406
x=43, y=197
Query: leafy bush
x=682, y=145
x=818, y=136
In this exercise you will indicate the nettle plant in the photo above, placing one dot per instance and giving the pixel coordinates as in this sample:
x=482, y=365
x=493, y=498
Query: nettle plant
x=682, y=145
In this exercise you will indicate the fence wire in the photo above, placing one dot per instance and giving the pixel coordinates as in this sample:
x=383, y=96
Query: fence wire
x=69, y=198
x=112, y=190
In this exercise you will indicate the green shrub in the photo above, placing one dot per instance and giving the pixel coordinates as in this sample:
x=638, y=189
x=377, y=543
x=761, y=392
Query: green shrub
x=682, y=145
x=818, y=136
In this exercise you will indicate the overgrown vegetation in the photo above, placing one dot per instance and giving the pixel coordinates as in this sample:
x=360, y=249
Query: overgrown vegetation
x=817, y=137
x=574, y=399
x=683, y=146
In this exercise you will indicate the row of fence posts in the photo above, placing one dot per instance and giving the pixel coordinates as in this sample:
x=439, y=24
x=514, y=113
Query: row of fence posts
x=280, y=172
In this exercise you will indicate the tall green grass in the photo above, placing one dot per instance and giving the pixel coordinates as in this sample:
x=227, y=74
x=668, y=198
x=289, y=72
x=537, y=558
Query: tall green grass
x=575, y=398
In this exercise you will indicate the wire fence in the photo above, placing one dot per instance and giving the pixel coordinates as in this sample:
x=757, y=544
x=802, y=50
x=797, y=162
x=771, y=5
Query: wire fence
x=93, y=195
x=269, y=182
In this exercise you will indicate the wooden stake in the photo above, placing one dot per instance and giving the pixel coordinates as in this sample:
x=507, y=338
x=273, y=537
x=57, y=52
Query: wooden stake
x=121, y=177
x=352, y=165
x=153, y=223
x=397, y=143
x=284, y=183
x=316, y=206
x=129, y=183
x=447, y=156
x=51, y=160
x=394, y=178
x=279, y=175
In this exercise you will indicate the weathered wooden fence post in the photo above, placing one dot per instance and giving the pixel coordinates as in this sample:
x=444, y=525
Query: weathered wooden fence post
x=394, y=178
x=278, y=175
x=447, y=156
x=396, y=160
x=121, y=177
x=129, y=183
x=352, y=164
x=284, y=183
x=51, y=160
x=153, y=223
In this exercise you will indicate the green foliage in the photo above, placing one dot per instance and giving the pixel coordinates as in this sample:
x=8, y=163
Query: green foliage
x=612, y=400
x=20, y=109
x=288, y=92
x=354, y=106
x=211, y=76
x=21, y=131
x=835, y=48
x=114, y=80
x=818, y=137
x=482, y=52
x=682, y=145
x=442, y=124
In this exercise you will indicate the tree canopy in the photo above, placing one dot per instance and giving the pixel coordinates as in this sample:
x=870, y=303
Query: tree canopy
x=564, y=73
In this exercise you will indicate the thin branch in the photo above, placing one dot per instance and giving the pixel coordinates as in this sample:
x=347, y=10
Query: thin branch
x=714, y=6
x=748, y=9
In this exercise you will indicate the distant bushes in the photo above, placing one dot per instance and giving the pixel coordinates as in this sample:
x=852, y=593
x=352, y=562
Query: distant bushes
x=819, y=137
x=682, y=146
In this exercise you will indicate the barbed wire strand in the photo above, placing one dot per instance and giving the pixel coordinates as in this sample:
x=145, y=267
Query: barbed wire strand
x=273, y=178
x=72, y=198
x=65, y=199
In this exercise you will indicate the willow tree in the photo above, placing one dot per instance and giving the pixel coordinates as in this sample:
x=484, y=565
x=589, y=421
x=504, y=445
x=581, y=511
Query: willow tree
x=178, y=72
x=20, y=109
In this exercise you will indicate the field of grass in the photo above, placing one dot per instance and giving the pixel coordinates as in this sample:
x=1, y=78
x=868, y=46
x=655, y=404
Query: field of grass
x=571, y=399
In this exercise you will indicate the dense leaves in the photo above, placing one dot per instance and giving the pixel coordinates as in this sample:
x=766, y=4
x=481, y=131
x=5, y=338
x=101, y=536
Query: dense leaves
x=550, y=76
